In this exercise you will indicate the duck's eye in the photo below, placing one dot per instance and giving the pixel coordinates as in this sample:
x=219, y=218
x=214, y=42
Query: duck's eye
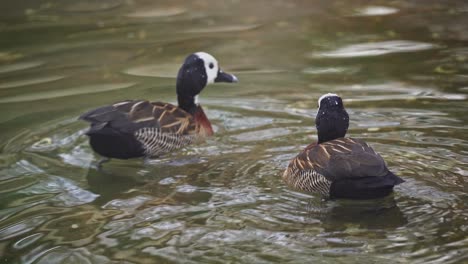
x=211, y=65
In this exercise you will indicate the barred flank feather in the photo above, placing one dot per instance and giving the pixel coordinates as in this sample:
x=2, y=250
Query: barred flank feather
x=157, y=143
x=307, y=180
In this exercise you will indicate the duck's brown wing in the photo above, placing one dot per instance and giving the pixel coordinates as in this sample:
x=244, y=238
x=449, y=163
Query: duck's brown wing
x=139, y=128
x=173, y=119
x=133, y=115
x=176, y=129
x=345, y=158
x=341, y=168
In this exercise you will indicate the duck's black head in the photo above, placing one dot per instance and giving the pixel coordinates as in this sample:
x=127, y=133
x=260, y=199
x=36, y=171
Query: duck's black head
x=198, y=70
x=332, y=120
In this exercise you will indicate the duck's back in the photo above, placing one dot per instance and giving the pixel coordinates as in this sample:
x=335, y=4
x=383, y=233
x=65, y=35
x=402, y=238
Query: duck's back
x=347, y=158
x=344, y=167
x=138, y=128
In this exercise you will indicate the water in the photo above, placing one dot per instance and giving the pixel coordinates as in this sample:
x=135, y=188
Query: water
x=401, y=67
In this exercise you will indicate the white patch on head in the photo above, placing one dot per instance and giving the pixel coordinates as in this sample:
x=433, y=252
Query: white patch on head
x=208, y=60
x=325, y=96
x=196, y=99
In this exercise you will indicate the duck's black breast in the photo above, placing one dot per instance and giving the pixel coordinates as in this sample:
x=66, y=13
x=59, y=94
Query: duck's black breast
x=138, y=128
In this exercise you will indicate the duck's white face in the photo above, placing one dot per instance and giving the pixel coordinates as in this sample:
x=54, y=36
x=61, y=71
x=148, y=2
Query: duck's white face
x=211, y=66
x=325, y=96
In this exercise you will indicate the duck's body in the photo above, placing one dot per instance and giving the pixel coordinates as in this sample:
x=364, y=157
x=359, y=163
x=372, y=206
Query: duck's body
x=341, y=168
x=338, y=167
x=136, y=128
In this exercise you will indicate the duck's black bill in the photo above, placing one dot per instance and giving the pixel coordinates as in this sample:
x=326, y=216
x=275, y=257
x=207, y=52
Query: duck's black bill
x=225, y=77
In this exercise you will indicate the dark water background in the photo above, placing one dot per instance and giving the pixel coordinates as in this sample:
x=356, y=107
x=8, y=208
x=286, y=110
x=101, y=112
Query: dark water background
x=401, y=66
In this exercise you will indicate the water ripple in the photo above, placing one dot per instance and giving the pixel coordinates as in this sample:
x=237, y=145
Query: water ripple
x=376, y=11
x=69, y=194
x=375, y=49
x=68, y=92
x=156, y=13
x=154, y=70
x=19, y=66
x=30, y=82
x=222, y=29
x=223, y=200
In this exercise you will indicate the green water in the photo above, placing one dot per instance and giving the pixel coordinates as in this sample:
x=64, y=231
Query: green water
x=401, y=67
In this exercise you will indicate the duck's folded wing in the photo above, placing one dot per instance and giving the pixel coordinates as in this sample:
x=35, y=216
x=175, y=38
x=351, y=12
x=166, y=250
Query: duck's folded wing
x=133, y=115
x=347, y=158
x=122, y=117
x=173, y=119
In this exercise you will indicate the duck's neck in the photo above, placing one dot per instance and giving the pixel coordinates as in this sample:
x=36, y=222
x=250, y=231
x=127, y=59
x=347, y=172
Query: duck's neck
x=332, y=130
x=329, y=137
x=331, y=124
x=205, y=128
x=187, y=103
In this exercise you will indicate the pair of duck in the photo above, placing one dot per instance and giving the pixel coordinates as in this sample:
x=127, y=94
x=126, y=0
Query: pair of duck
x=335, y=166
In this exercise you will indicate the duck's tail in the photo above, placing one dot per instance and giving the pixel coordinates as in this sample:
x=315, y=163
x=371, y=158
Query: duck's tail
x=365, y=187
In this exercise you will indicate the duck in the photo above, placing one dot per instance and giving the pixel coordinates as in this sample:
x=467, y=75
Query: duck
x=140, y=128
x=336, y=166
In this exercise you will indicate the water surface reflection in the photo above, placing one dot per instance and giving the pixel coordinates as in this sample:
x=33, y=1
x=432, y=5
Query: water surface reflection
x=401, y=68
